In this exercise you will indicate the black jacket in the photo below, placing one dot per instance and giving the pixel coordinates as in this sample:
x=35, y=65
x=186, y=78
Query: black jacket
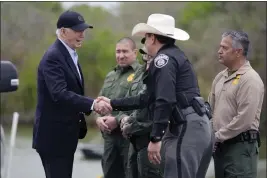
x=60, y=103
x=171, y=81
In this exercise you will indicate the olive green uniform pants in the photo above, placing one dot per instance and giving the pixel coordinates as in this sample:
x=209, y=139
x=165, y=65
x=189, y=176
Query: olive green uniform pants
x=139, y=165
x=236, y=160
x=115, y=157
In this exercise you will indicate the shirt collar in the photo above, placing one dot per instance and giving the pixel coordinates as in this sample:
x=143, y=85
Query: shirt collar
x=71, y=51
x=134, y=66
x=243, y=69
x=165, y=46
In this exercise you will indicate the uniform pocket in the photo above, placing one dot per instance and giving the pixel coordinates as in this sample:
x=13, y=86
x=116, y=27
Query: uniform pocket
x=107, y=86
x=134, y=86
x=125, y=85
x=254, y=150
x=122, y=89
x=198, y=133
x=241, y=160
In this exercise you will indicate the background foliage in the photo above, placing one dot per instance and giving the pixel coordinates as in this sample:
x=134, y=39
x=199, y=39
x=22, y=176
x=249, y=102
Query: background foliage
x=28, y=28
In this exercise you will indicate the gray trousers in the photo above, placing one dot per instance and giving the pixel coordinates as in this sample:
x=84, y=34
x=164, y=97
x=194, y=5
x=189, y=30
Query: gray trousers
x=187, y=154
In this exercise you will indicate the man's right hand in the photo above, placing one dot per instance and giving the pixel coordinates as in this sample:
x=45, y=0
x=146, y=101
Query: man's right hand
x=100, y=122
x=103, y=98
x=123, y=121
x=126, y=130
x=102, y=107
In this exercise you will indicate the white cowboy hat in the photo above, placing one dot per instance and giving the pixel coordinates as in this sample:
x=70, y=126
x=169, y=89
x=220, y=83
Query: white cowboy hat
x=160, y=24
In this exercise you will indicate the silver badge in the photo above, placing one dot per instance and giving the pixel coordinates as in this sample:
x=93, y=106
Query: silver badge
x=161, y=60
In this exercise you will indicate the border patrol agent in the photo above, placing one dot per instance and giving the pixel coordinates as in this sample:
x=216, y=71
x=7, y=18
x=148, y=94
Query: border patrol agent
x=236, y=97
x=172, y=96
x=117, y=84
x=136, y=126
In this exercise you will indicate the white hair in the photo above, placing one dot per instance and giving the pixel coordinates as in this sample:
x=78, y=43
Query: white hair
x=240, y=40
x=58, y=32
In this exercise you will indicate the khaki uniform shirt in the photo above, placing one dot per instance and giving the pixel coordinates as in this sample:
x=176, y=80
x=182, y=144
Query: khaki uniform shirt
x=236, y=102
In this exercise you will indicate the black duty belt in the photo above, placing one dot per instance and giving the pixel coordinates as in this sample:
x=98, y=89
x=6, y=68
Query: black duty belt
x=188, y=110
x=199, y=106
x=248, y=136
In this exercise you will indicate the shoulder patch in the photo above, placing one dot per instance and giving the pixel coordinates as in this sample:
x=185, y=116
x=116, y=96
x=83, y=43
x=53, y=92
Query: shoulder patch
x=161, y=60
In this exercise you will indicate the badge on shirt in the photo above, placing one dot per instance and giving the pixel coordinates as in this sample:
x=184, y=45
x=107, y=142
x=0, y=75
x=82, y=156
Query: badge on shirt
x=161, y=60
x=235, y=81
x=130, y=77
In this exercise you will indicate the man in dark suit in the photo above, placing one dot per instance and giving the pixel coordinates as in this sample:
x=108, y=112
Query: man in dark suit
x=59, y=119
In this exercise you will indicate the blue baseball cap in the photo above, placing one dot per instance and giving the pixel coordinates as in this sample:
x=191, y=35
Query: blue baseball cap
x=72, y=20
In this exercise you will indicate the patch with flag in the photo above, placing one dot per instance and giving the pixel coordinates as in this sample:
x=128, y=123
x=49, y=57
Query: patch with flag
x=161, y=60
x=130, y=77
x=235, y=81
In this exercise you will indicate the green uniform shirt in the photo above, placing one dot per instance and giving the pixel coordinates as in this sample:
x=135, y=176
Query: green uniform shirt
x=118, y=81
x=139, y=118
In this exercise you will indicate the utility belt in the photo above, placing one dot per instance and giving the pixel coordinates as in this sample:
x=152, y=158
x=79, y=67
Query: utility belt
x=139, y=142
x=198, y=105
x=248, y=136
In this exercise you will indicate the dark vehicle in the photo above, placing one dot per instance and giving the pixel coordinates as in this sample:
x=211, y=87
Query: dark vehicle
x=8, y=83
x=9, y=77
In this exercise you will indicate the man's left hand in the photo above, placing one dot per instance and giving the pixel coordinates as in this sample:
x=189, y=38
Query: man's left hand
x=123, y=121
x=217, y=142
x=111, y=122
x=154, y=152
x=215, y=147
x=125, y=130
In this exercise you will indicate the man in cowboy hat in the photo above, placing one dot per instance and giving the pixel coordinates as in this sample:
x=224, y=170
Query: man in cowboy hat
x=173, y=97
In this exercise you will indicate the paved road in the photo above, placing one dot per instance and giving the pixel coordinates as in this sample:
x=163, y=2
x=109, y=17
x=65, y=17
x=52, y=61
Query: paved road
x=27, y=164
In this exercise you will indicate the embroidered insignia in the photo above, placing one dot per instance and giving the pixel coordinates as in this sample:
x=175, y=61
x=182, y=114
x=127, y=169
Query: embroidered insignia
x=130, y=77
x=161, y=60
x=80, y=18
x=235, y=81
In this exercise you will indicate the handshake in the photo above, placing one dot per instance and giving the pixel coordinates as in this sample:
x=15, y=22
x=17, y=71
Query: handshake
x=102, y=105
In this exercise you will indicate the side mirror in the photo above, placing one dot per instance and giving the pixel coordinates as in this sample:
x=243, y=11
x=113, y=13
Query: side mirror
x=9, y=77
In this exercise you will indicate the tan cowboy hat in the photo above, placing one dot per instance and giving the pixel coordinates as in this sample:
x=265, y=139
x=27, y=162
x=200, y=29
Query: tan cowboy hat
x=160, y=24
x=143, y=50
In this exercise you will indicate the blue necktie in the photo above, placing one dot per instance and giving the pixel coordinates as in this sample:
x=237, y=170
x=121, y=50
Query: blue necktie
x=76, y=63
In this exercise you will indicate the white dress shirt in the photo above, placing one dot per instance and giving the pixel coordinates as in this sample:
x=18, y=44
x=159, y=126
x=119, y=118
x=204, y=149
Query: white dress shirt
x=73, y=55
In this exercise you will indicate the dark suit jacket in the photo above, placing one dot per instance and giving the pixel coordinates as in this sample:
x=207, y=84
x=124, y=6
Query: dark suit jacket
x=61, y=104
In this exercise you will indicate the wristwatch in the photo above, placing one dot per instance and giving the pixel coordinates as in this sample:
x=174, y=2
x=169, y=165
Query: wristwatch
x=155, y=139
